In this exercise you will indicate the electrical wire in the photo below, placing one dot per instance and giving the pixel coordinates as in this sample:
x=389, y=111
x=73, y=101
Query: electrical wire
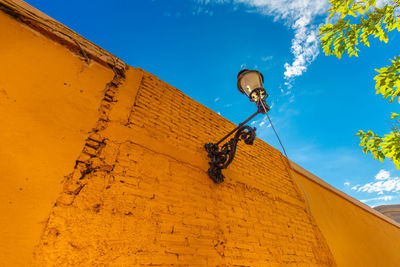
x=290, y=166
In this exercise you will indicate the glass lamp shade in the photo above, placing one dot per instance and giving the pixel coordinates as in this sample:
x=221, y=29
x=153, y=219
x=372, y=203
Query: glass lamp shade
x=250, y=80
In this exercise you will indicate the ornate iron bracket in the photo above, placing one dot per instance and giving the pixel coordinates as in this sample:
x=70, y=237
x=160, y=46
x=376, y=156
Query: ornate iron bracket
x=222, y=157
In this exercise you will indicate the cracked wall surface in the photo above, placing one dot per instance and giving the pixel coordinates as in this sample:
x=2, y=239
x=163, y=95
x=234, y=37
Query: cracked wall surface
x=140, y=194
x=104, y=165
x=49, y=100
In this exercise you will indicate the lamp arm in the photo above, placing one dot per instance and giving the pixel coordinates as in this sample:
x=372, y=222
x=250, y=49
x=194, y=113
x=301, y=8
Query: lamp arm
x=240, y=125
x=222, y=156
x=262, y=108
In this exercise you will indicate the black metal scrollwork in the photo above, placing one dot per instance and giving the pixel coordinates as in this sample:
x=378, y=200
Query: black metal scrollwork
x=222, y=157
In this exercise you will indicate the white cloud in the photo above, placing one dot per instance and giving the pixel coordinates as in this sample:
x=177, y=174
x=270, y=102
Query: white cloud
x=346, y=183
x=305, y=49
x=287, y=9
x=384, y=198
x=299, y=15
x=390, y=185
x=261, y=122
x=355, y=187
x=200, y=10
x=385, y=183
x=268, y=58
x=216, y=99
x=381, y=3
x=211, y=1
x=382, y=175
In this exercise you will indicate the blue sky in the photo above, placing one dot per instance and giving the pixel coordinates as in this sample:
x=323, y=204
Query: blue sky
x=318, y=102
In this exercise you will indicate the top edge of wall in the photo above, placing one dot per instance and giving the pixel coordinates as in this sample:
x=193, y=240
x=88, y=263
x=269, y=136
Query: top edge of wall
x=341, y=194
x=61, y=34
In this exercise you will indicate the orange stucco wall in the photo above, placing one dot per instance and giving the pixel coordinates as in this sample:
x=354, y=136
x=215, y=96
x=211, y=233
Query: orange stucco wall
x=49, y=101
x=355, y=236
x=140, y=194
x=104, y=168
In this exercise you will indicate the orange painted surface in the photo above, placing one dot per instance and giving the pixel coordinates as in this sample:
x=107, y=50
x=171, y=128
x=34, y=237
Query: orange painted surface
x=49, y=101
x=355, y=236
x=104, y=169
x=140, y=194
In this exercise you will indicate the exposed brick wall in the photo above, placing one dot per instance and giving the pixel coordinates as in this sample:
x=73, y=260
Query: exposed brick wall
x=145, y=197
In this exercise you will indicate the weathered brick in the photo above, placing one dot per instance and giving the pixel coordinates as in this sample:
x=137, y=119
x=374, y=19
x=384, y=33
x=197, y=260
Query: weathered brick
x=149, y=205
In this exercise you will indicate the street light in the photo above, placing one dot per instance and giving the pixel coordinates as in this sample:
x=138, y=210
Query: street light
x=250, y=83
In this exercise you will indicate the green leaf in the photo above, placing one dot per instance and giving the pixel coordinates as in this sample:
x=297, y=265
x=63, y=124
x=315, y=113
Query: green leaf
x=358, y=21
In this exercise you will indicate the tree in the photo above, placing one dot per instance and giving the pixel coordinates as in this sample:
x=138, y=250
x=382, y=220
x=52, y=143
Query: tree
x=357, y=22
